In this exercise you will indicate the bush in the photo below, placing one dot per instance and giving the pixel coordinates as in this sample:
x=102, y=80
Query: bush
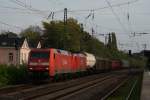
x=13, y=75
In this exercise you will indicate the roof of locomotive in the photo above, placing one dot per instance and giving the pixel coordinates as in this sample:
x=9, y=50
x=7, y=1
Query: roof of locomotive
x=48, y=49
x=64, y=52
x=39, y=50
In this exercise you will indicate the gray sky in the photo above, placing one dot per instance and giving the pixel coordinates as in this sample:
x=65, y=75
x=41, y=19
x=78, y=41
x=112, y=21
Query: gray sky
x=18, y=14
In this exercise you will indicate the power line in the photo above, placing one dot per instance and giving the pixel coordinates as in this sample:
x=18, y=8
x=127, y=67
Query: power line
x=13, y=8
x=21, y=10
x=117, y=17
x=16, y=8
x=23, y=3
x=27, y=7
x=109, y=28
x=35, y=10
x=11, y=25
x=128, y=20
x=97, y=9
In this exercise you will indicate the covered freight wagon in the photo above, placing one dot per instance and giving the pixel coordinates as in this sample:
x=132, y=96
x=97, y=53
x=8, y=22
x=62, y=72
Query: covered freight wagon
x=116, y=64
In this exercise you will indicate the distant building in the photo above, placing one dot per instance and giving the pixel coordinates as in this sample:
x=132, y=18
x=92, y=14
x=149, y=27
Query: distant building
x=15, y=50
x=25, y=49
x=146, y=53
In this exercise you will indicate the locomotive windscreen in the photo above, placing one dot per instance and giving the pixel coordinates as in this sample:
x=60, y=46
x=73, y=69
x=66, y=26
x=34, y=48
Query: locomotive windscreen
x=40, y=55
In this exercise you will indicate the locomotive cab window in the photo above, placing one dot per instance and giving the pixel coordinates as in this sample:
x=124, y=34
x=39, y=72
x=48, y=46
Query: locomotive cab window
x=40, y=55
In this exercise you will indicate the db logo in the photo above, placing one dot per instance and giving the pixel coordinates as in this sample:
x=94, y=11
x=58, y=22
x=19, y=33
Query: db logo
x=39, y=61
x=64, y=62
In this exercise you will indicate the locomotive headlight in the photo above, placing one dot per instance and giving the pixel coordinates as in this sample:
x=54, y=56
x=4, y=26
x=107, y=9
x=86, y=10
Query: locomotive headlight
x=30, y=68
x=46, y=68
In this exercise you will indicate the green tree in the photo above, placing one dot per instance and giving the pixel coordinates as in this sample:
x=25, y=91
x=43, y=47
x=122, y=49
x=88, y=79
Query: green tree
x=8, y=34
x=109, y=41
x=58, y=35
x=32, y=33
x=53, y=34
x=72, y=37
x=114, y=41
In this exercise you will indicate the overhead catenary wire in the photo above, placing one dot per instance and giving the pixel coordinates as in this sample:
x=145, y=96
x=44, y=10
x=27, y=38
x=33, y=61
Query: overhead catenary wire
x=17, y=10
x=129, y=20
x=117, y=17
x=28, y=7
x=14, y=26
x=101, y=8
x=12, y=8
x=97, y=9
x=22, y=10
x=23, y=4
x=109, y=6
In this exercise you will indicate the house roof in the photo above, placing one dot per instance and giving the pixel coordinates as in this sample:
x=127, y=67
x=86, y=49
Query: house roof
x=15, y=42
x=32, y=45
x=11, y=42
x=145, y=53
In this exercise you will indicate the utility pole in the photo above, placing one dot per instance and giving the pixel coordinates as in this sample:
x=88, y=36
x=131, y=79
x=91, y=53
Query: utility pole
x=65, y=19
x=93, y=32
x=65, y=25
x=65, y=16
x=106, y=39
x=82, y=30
x=145, y=46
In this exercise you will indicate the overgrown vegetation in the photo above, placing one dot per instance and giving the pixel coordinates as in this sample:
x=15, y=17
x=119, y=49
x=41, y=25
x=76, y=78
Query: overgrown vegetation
x=13, y=75
x=123, y=92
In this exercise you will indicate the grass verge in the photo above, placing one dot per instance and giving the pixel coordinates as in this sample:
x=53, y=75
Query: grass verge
x=123, y=92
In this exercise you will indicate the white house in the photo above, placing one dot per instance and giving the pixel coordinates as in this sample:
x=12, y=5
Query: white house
x=25, y=49
x=15, y=50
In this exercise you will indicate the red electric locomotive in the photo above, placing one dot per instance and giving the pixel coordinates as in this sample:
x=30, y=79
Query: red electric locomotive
x=39, y=60
x=56, y=61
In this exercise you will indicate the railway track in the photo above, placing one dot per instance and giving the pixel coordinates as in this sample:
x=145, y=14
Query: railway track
x=20, y=91
x=73, y=93
x=10, y=89
x=16, y=88
x=114, y=89
x=68, y=90
x=64, y=90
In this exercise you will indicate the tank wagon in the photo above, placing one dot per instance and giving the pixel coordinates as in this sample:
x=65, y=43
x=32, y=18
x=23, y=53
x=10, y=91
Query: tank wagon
x=58, y=62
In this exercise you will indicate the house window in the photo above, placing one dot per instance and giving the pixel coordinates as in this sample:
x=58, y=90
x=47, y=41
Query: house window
x=4, y=43
x=10, y=57
x=24, y=57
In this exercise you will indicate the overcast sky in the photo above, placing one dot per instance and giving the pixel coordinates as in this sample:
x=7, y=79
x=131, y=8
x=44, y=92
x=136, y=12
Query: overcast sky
x=125, y=19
